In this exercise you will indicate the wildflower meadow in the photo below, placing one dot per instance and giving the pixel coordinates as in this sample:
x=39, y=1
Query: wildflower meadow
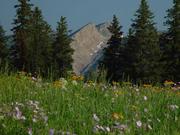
x=71, y=106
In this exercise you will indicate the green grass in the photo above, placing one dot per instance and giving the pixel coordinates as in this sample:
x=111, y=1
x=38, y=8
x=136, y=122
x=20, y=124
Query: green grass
x=85, y=109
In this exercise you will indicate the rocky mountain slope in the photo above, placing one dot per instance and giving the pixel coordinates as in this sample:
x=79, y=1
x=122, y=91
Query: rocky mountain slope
x=88, y=43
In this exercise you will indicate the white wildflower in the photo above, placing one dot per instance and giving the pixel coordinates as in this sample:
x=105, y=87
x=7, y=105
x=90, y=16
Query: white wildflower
x=149, y=126
x=68, y=133
x=19, y=104
x=34, y=79
x=18, y=113
x=102, y=128
x=36, y=102
x=145, y=110
x=96, y=118
x=173, y=107
x=35, y=111
x=45, y=119
x=145, y=98
x=108, y=129
x=158, y=120
x=123, y=127
x=30, y=131
x=17, y=109
x=30, y=102
x=139, y=123
x=36, y=106
x=34, y=120
x=149, y=120
x=137, y=90
x=74, y=82
x=95, y=129
x=23, y=118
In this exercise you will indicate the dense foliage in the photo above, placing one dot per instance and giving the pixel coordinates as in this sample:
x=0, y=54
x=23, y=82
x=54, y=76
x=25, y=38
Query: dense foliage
x=147, y=56
x=40, y=50
x=171, y=43
x=113, y=53
x=3, y=48
x=19, y=49
x=143, y=47
x=63, y=52
x=34, y=49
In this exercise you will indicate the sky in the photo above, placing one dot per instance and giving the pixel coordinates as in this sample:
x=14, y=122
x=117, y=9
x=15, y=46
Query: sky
x=81, y=12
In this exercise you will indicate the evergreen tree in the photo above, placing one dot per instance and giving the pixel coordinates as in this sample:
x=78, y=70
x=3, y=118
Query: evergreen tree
x=143, y=47
x=3, y=47
x=19, y=53
x=62, y=50
x=130, y=56
x=113, y=54
x=40, y=49
x=171, y=48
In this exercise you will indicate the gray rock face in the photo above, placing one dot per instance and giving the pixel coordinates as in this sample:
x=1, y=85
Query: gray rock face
x=103, y=30
x=88, y=43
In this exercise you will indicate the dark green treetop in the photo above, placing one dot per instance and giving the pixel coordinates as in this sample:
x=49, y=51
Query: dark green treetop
x=3, y=47
x=62, y=50
x=40, y=49
x=113, y=59
x=171, y=47
x=143, y=47
x=20, y=30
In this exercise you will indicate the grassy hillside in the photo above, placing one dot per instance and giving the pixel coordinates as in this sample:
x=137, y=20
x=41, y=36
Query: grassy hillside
x=31, y=106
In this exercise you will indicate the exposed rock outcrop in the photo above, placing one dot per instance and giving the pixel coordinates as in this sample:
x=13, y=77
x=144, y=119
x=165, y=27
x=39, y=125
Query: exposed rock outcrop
x=88, y=43
x=103, y=29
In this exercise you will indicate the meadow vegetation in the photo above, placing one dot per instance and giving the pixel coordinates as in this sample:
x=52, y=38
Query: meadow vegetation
x=32, y=106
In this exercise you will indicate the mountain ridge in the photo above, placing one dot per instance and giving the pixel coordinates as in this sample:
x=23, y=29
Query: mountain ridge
x=88, y=43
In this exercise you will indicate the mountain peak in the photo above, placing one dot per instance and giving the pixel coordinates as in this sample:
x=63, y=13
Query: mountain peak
x=88, y=41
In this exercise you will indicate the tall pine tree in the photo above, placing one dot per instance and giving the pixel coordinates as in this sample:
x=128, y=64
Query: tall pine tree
x=40, y=49
x=3, y=47
x=143, y=47
x=19, y=53
x=113, y=54
x=130, y=56
x=62, y=50
x=171, y=48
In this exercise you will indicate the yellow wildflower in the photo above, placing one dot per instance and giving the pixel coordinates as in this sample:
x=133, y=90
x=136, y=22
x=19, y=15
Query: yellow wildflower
x=147, y=85
x=57, y=84
x=168, y=83
x=134, y=108
x=74, y=77
x=77, y=78
x=117, y=116
x=118, y=93
x=115, y=83
x=90, y=83
x=178, y=93
x=81, y=78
